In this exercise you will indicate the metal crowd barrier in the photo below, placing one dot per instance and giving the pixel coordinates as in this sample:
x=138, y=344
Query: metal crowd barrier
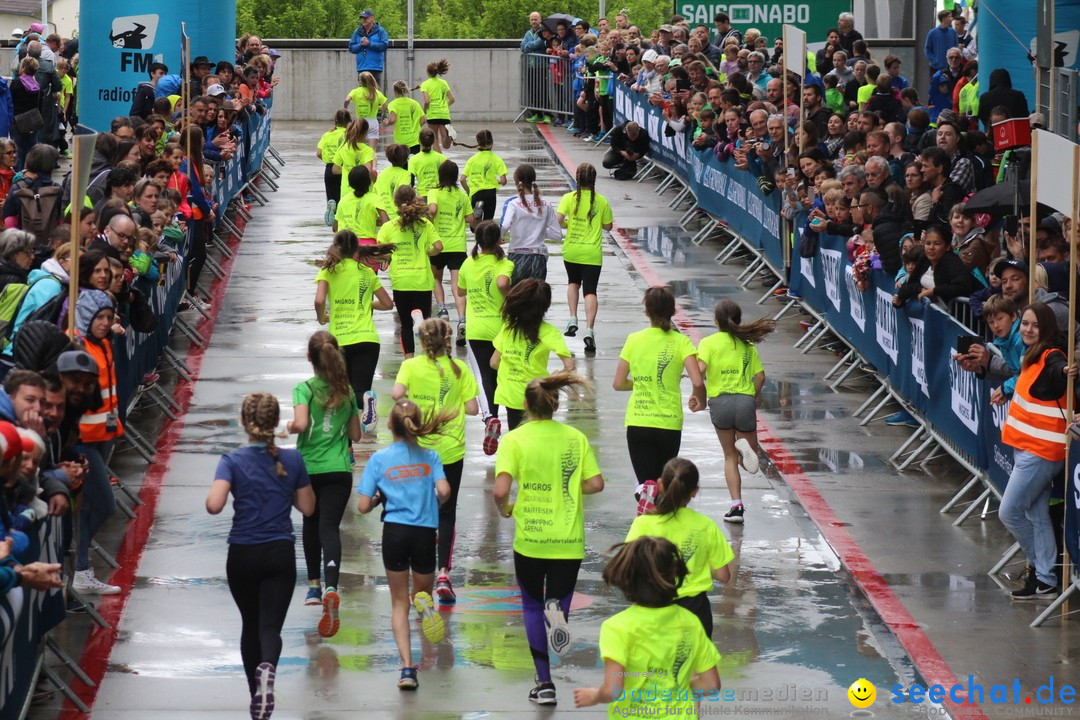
x=547, y=85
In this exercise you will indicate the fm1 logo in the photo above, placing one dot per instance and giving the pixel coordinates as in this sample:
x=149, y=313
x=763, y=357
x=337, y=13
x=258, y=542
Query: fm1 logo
x=135, y=33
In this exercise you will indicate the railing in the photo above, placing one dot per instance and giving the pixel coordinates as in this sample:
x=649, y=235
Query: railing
x=547, y=85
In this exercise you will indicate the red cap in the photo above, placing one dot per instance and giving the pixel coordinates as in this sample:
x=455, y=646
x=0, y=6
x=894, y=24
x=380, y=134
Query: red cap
x=12, y=442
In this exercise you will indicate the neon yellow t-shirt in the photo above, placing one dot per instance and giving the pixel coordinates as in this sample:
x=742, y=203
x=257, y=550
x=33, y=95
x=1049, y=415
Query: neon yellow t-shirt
x=347, y=157
x=410, y=268
x=67, y=89
x=656, y=361
x=425, y=166
x=863, y=95
x=407, y=113
x=584, y=241
x=438, y=92
x=662, y=649
x=330, y=142
x=478, y=278
x=483, y=171
x=522, y=361
x=366, y=107
x=360, y=214
x=730, y=365
x=701, y=542
x=433, y=392
x=389, y=181
x=453, y=207
x=549, y=461
x=351, y=287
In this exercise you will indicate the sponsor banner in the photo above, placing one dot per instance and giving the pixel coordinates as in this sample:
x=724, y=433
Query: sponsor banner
x=815, y=17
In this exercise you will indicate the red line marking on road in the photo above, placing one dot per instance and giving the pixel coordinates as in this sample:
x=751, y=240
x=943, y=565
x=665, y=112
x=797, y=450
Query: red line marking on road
x=931, y=665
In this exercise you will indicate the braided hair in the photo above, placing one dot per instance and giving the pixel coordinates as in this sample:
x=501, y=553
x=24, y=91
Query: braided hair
x=259, y=414
x=586, y=180
x=436, y=338
x=525, y=179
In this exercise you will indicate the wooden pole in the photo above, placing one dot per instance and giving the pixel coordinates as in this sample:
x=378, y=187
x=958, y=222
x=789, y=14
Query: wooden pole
x=1070, y=393
x=73, y=259
x=1033, y=252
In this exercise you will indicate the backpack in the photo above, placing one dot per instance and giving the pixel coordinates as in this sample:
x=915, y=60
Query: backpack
x=39, y=210
x=11, y=298
x=48, y=312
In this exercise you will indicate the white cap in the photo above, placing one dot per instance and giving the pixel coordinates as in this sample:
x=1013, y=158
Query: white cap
x=649, y=56
x=215, y=89
x=17, y=32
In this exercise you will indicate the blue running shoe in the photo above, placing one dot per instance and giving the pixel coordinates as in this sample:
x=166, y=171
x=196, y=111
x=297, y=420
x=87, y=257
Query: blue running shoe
x=314, y=596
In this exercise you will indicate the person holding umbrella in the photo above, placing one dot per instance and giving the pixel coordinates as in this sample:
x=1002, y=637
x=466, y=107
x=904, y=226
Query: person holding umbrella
x=368, y=43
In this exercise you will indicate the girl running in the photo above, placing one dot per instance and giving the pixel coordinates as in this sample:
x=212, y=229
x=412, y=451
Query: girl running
x=361, y=210
x=698, y=538
x=487, y=172
x=654, y=648
x=650, y=367
x=410, y=480
x=523, y=345
x=325, y=151
x=449, y=209
x=396, y=175
x=407, y=117
x=554, y=466
x=733, y=379
x=326, y=418
x=584, y=214
x=483, y=283
x=437, y=101
x=415, y=242
x=425, y=164
x=529, y=221
x=265, y=483
x=367, y=100
x=354, y=151
x=438, y=382
x=354, y=291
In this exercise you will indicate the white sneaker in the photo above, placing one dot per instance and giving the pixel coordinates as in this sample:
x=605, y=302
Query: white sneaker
x=747, y=457
x=86, y=583
x=417, y=319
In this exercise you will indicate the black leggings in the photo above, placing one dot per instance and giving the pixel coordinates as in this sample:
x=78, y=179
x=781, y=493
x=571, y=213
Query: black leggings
x=650, y=449
x=540, y=580
x=406, y=301
x=448, y=514
x=700, y=606
x=322, y=529
x=482, y=350
x=514, y=417
x=361, y=359
x=196, y=253
x=261, y=579
x=489, y=200
x=332, y=183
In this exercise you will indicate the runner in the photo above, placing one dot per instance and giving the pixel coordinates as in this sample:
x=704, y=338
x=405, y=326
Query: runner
x=483, y=283
x=437, y=101
x=554, y=466
x=396, y=175
x=407, y=117
x=425, y=164
x=523, y=345
x=488, y=172
x=585, y=214
x=697, y=536
x=449, y=208
x=439, y=382
x=361, y=210
x=354, y=151
x=326, y=418
x=650, y=367
x=410, y=480
x=354, y=291
x=367, y=101
x=415, y=242
x=325, y=151
x=529, y=224
x=265, y=483
x=733, y=379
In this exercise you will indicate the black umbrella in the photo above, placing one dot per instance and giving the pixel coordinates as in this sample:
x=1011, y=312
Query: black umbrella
x=1001, y=199
x=552, y=20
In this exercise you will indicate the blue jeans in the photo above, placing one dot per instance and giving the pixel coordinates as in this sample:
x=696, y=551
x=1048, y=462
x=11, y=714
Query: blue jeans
x=98, y=502
x=23, y=143
x=1025, y=510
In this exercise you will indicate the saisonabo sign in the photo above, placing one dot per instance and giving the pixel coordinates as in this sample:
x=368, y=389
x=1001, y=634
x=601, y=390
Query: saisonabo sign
x=815, y=17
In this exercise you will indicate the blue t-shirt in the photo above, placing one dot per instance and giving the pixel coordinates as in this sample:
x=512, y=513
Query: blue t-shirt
x=262, y=499
x=406, y=476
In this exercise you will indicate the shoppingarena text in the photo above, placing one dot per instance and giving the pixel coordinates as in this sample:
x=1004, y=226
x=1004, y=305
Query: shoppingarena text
x=783, y=693
x=998, y=694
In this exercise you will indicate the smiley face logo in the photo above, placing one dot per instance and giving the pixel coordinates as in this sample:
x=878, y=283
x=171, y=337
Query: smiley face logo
x=861, y=693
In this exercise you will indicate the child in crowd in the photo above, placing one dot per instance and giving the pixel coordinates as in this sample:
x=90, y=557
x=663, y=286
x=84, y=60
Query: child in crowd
x=361, y=209
x=393, y=177
x=1003, y=319
x=367, y=100
x=450, y=211
x=425, y=164
x=410, y=270
x=325, y=151
x=484, y=172
x=407, y=117
x=910, y=253
x=529, y=221
x=834, y=99
x=353, y=151
x=969, y=242
x=437, y=101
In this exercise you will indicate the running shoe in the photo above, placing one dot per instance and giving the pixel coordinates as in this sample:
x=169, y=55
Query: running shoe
x=444, y=313
x=85, y=583
x=262, y=702
x=590, y=342
x=417, y=318
x=571, y=327
x=492, y=431
x=408, y=679
x=461, y=339
x=444, y=590
x=314, y=596
x=545, y=120
x=331, y=212
x=1035, y=589
x=543, y=694
x=571, y=128
x=430, y=622
x=329, y=622
x=557, y=627
x=451, y=133
x=735, y=514
x=533, y=118
x=902, y=419
x=587, y=137
x=646, y=496
x=369, y=417
x=747, y=457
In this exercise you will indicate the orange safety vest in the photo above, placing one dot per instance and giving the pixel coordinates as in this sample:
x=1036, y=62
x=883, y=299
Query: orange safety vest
x=93, y=426
x=1037, y=426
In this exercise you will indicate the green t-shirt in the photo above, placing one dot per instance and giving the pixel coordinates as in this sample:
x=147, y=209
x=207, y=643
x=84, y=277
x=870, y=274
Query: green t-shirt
x=348, y=157
x=522, y=361
x=584, y=241
x=834, y=100
x=360, y=214
x=324, y=445
x=453, y=206
x=484, y=170
x=478, y=277
x=438, y=92
x=865, y=91
x=330, y=142
x=656, y=361
x=410, y=268
x=433, y=386
x=351, y=287
x=389, y=181
x=366, y=107
x=549, y=461
x=425, y=166
x=407, y=113
x=661, y=649
x=699, y=539
x=730, y=365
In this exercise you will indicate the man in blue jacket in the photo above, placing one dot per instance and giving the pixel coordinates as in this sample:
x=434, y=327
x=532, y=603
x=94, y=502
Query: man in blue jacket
x=369, y=44
x=939, y=40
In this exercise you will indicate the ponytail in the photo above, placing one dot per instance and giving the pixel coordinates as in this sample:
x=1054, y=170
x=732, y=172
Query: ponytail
x=259, y=414
x=436, y=338
x=542, y=394
x=488, y=236
x=678, y=481
x=412, y=210
x=343, y=246
x=585, y=179
x=407, y=422
x=525, y=180
x=329, y=366
x=728, y=317
x=660, y=306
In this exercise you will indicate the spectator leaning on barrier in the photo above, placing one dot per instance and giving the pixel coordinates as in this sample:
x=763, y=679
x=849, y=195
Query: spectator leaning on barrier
x=629, y=143
x=369, y=42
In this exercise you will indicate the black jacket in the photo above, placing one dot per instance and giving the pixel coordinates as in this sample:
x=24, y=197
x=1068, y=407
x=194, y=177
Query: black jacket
x=888, y=228
x=1001, y=93
x=11, y=273
x=143, y=104
x=951, y=278
x=951, y=194
x=621, y=141
x=1052, y=381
